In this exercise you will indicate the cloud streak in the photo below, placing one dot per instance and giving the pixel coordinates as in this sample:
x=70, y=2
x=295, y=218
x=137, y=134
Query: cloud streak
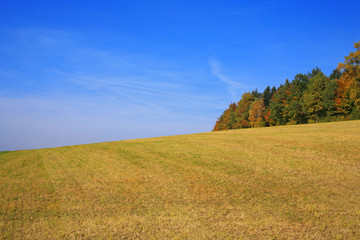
x=232, y=86
x=89, y=95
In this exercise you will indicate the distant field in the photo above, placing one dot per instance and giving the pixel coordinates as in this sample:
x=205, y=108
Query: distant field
x=290, y=182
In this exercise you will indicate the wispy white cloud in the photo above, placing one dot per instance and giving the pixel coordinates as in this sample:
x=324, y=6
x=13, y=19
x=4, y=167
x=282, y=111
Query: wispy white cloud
x=143, y=87
x=89, y=95
x=232, y=86
x=101, y=70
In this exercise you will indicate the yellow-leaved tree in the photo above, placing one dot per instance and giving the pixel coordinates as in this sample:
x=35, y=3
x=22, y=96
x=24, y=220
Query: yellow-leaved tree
x=256, y=113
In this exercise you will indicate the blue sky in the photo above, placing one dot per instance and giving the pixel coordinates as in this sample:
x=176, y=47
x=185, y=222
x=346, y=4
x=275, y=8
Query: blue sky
x=74, y=72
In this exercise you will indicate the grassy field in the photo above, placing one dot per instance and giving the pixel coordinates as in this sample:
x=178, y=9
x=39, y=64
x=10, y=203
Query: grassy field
x=290, y=182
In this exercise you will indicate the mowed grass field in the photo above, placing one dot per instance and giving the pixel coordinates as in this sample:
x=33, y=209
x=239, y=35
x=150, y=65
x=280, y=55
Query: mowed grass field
x=289, y=182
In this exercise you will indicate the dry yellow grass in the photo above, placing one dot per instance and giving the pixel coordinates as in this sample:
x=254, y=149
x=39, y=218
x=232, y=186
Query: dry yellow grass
x=291, y=182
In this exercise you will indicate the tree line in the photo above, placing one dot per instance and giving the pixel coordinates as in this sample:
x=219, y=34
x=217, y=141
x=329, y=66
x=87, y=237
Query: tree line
x=308, y=98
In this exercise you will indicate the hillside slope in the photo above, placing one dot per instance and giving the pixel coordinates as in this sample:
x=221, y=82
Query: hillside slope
x=285, y=182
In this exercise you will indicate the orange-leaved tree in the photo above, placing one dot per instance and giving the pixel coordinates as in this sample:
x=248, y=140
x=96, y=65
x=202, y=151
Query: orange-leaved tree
x=348, y=91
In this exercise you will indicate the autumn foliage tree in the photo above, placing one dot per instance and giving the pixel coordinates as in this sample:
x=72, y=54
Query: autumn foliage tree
x=348, y=91
x=242, y=110
x=256, y=113
x=311, y=97
x=227, y=119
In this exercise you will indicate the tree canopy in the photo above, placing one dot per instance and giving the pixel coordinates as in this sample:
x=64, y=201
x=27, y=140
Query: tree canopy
x=311, y=97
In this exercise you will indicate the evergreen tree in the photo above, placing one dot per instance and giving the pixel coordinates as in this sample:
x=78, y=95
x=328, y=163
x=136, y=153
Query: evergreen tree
x=313, y=72
x=273, y=91
x=294, y=109
x=256, y=93
x=267, y=96
x=336, y=74
x=313, y=97
x=328, y=97
x=278, y=104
